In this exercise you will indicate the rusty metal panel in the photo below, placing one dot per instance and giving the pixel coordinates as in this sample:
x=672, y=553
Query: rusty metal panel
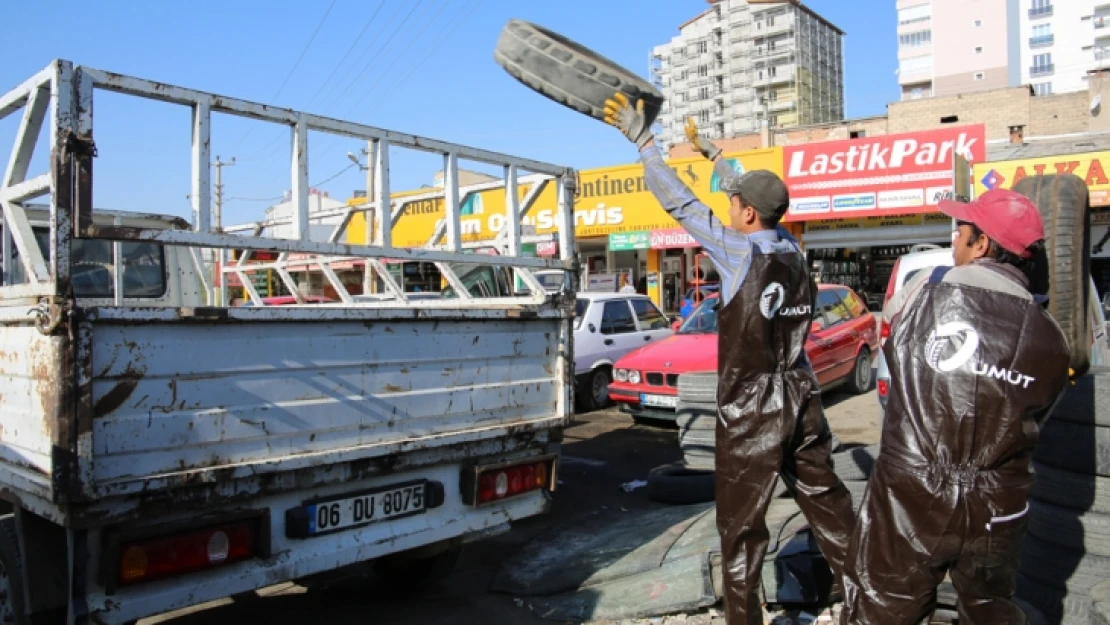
x=28, y=392
x=187, y=398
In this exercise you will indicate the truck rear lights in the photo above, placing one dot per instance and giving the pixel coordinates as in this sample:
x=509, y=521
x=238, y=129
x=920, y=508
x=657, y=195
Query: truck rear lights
x=178, y=554
x=488, y=484
x=883, y=386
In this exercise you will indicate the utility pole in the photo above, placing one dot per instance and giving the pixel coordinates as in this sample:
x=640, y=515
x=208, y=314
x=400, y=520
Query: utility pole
x=217, y=214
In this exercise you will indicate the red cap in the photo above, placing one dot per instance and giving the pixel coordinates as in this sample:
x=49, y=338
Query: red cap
x=1008, y=218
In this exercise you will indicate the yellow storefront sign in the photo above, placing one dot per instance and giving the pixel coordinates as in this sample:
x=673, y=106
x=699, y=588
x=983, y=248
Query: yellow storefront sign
x=610, y=200
x=1090, y=166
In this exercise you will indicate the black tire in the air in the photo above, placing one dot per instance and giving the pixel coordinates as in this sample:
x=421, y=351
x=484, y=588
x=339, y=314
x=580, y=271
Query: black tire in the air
x=1064, y=202
x=568, y=72
x=678, y=484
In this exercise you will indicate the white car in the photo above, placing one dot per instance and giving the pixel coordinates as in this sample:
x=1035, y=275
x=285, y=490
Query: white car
x=606, y=327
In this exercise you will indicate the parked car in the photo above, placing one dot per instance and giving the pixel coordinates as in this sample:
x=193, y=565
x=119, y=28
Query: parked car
x=841, y=344
x=909, y=265
x=606, y=327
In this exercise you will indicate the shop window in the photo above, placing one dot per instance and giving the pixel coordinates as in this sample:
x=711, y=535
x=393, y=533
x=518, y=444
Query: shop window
x=617, y=318
x=649, y=316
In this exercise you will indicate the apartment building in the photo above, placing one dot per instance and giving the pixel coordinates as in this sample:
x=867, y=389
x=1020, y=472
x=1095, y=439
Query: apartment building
x=1065, y=43
x=946, y=47
x=738, y=62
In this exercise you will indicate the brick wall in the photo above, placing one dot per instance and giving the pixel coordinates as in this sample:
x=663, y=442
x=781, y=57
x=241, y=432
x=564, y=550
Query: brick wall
x=1061, y=114
x=998, y=110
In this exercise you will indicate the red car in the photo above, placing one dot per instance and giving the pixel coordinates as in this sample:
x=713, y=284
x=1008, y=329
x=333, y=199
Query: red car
x=841, y=344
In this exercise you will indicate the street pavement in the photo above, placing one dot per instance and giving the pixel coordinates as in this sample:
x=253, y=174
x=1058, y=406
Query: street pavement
x=601, y=451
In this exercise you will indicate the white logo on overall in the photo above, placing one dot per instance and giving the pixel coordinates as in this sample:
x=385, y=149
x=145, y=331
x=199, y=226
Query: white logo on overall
x=771, y=299
x=945, y=335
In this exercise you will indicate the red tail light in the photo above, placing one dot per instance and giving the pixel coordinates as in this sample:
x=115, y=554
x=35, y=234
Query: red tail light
x=884, y=330
x=170, y=556
x=505, y=481
x=883, y=386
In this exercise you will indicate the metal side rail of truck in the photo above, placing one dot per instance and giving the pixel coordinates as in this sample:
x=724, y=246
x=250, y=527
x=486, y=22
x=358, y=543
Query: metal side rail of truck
x=159, y=449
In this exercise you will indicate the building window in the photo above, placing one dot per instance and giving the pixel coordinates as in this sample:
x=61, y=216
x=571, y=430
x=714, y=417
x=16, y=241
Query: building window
x=917, y=39
x=978, y=49
x=703, y=47
x=771, y=20
x=771, y=71
x=915, y=14
x=704, y=115
x=1042, y=35
x=979, y=76
x=1042, y=88
x=857, y=134
x=720, y=130
x=703, y=93
x=703, y=70
x=977, y=23
x=1040, y=8
x=1042, y=64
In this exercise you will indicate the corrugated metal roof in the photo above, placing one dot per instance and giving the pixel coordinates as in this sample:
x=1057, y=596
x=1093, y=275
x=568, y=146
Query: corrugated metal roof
x=1048, y=147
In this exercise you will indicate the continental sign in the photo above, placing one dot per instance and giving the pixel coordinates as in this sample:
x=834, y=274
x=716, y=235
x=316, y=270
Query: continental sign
x=609, y=200
x=1090, y=166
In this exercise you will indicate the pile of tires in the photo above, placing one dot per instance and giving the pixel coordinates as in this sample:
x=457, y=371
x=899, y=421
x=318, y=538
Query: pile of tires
x=1066, y=552
x=690, y=480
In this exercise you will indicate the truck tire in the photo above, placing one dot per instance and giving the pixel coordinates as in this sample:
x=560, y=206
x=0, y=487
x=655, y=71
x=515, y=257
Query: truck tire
x=1078, y=448
x=568, y=72
x=1078, y=532
x=699, y=389
x=1064, y=203
x=595, y=392
x=1059, y=568
x=11, y=577
x=1088, y=401
x=1074, y=491
x=677, y=484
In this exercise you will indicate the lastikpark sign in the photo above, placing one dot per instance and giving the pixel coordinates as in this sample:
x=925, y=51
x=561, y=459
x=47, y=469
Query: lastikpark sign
x=885, y=175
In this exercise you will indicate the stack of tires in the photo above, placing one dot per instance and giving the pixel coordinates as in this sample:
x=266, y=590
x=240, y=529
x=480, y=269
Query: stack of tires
x=691, y=480
x=1066, y=552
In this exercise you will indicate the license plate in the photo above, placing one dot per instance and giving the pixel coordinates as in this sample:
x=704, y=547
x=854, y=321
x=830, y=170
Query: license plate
x=381, y=504
x=660, y=401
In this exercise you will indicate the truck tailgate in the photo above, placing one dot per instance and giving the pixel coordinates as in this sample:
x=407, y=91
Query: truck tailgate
x=174, y=402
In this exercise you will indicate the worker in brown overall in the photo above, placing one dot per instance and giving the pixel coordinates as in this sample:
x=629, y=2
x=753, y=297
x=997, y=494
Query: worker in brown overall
x=770, y=419
x=976, y=364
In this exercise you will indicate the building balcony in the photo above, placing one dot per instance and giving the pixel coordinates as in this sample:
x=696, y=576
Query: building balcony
x=1036, y=12
x=742, y=96
x=780, y=26
x=783, y=74
x=1042, y=70
x=782, y=105
x=1042, y=42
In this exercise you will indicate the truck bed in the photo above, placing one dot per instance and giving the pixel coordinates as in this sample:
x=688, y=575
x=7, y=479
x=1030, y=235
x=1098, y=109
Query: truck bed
x=178, y=402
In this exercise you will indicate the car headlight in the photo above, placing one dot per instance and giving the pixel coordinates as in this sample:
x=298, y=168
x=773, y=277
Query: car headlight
x=620, y=375
x=634, y=377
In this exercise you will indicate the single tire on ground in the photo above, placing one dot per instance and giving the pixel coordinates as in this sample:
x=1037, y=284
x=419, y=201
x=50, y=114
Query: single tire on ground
x=569, y=73
x=1056, y=567
x=1079, y=532
x=678, y=484
x=1074, y=491
x=698, y=388
x=1058, y=606
x=1064, y=202
x=1077, y=448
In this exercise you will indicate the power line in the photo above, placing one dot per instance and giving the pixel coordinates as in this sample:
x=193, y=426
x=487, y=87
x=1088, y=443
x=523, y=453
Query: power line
x=282, y=197
x=294, y=68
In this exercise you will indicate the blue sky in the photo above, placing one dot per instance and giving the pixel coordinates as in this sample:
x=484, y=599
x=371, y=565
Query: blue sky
x=422, y=66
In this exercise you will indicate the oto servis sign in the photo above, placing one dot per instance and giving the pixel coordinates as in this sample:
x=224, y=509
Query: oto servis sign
x=875, y=176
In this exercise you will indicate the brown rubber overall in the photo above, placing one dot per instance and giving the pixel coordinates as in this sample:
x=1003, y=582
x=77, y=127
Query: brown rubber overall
x=770, y=421
x=974, y=373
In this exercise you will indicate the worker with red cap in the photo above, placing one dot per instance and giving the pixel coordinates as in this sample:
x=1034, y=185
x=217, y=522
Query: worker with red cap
x=976, y=363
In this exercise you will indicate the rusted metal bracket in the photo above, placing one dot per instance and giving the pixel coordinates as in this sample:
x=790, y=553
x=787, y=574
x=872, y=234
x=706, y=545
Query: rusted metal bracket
x=49, y=314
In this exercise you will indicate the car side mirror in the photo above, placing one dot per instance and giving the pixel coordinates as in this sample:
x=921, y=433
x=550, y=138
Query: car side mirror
x=676, y=324
x=815, y=327
x=592, y=328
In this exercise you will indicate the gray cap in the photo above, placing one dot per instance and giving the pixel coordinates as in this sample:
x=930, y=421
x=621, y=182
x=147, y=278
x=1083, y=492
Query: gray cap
x=761, y=189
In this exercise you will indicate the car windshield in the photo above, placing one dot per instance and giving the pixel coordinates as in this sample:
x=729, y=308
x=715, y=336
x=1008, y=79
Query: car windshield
x=703, y=320
x=580, y=311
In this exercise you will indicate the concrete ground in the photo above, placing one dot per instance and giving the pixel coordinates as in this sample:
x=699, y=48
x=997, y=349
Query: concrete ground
x=602, y=450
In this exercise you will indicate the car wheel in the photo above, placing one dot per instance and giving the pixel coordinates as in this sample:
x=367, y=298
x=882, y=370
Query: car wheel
x=860, y=381
x=596, y=396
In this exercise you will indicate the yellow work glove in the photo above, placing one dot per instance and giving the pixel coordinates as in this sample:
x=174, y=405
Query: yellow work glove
x=705, y=146
x=629, y=119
